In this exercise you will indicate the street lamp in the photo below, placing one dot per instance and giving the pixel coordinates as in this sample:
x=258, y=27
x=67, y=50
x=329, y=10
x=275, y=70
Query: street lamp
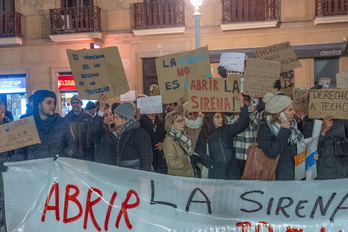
x=197, y=16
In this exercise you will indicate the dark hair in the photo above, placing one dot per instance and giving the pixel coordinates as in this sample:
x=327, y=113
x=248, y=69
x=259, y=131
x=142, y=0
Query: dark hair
x=114, y=105
x=105, y=126
x=209, y=127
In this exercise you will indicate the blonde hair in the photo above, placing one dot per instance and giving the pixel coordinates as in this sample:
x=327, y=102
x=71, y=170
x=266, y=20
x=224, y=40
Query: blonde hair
x=170, y=118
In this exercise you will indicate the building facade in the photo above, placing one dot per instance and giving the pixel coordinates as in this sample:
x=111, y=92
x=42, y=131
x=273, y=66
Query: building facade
x=35, y=35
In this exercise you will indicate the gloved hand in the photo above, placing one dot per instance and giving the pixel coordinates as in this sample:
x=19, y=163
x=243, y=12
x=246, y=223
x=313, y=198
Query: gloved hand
x=194, y=159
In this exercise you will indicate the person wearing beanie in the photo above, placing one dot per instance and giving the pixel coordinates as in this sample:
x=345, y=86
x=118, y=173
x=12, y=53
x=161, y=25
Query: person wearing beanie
x=278, y=134
x=91, y=108
x=54, y=132
x=134, y=148
x=79, y=120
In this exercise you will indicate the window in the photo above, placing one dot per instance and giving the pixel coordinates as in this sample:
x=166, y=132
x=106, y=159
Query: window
x=7, y=6
x=326, y=68
x=76, y=3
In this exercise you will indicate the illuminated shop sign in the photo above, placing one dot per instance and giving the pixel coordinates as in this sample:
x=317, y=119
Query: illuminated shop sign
x=13, y=83
x=66, y=83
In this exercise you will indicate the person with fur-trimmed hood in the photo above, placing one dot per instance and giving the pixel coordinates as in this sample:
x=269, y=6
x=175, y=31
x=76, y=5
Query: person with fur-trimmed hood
x=53, y=130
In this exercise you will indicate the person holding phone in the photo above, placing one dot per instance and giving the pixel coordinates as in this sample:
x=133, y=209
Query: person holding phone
x=278, y=134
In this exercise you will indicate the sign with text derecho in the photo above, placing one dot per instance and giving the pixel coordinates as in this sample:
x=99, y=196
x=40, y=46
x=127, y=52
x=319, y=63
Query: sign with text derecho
x=323, y=102
x=283, y=53
x=47, y=195
x=19, y=133
x=98, y=71
x=260, y=77
x=300, y=100
x=213, y=94
x=174, y=69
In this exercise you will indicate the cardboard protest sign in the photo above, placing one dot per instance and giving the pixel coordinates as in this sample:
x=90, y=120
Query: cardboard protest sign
x=283, y=53
x=98, y=71
x=150, y=105
x=260, y=77
x=174, y=69
x=18, y=134
x=213, y=94
x=325, y=82
x=342, y=80
x=300, y=98
x=233, y=61
x=323, y=102
x=287, y=82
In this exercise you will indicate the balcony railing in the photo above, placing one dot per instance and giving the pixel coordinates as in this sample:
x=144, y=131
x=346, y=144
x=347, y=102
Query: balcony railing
x=10, y=24
x=158, y=14
x=234, y=11
x=75, y=19
x=331, y=7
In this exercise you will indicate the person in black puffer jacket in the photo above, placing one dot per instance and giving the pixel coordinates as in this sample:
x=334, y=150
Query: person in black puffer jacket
x=134, y=148
x=53, y=130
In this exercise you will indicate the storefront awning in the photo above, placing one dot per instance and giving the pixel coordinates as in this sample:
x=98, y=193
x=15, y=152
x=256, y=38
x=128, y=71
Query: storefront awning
x=302, y=51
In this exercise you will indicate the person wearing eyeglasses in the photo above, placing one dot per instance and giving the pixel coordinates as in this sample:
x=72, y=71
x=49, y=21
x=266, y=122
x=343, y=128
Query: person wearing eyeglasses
x=177, y=147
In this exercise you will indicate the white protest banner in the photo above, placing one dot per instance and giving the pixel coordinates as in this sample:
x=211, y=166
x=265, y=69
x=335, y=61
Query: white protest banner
x=342, y=80
x=233, y=61
x=19, y=133
x=174, y=69
x=283, y=53
x=260, y=77
x=312, y=151
x=129, y=96
x=300, y=98
x=98, y=71
x=82, y=196
x=323, y=102
x=214, y=94
x=150, y=105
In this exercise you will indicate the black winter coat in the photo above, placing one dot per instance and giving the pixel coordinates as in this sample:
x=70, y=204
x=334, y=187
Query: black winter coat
x=221, y=160
x=134, y=148
x=55, y=137
x=105, y=142
x=273, y=146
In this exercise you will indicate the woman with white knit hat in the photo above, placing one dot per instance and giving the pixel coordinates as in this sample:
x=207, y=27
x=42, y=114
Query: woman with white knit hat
x=278, y=134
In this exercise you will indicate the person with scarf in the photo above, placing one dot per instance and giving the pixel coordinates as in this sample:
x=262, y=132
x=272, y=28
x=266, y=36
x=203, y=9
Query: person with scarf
x=177, y=147
x=278, y=134
x=54, y=131
x=133, y=148
x=214, y=145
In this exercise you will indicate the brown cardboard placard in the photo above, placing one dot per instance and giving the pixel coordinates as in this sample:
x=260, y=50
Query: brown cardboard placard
x=260, y=77
x=287, y=82
x=300, y=98
x=19, y=133
x=98, y=71
x=173, y=71
x=281, y=52
x=213, y=94
x=342, y=80
x=323, y=102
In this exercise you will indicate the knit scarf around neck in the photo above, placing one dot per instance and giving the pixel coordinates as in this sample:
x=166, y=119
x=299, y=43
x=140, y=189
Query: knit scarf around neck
x=194, y=124
x=183, y=139
x=121, y=128
x=296, y=135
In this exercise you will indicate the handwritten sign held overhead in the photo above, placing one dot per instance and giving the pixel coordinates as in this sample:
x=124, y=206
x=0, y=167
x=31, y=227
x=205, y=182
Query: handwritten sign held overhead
x=150, y=105
x=300, y=100
x=213, y=94
x=18, y=134
x=260, y=77
x=342, y=80
x=283, y=53
x=323, y=102
x=98, y=71
x=173, y=71
x=233, y=61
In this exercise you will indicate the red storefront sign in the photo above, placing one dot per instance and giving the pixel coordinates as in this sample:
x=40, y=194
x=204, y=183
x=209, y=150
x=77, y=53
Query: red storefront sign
x=66, y=83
